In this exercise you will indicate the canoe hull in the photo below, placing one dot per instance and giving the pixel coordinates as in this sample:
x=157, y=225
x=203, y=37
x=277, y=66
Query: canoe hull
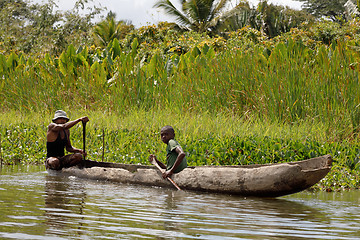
x=270, y=180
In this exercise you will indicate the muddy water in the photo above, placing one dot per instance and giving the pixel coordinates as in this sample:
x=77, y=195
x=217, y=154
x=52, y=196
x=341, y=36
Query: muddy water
x=34, y=205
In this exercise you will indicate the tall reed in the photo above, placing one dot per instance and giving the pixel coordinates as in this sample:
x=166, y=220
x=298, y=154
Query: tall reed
x=288, y=82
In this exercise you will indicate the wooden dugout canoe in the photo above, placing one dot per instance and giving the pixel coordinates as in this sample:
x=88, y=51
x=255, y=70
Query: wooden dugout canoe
x=268, y=180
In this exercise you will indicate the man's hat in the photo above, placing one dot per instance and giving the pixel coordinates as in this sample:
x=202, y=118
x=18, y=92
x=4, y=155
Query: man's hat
x=60, y=114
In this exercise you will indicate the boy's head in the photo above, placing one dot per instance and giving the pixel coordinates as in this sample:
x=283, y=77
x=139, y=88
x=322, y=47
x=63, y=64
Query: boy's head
x=167, y=133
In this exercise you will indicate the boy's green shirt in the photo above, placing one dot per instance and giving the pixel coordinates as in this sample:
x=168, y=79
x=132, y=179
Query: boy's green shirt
x=171, y=156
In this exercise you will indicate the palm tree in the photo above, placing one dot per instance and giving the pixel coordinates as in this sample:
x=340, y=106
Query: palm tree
x=109, y=29
x=352, y=9
x=242, y=16
x=270, y=19
x=199, y=15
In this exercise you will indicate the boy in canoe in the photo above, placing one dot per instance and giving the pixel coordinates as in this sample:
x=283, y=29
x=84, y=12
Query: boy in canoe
x=175, y=156
x=58, y=138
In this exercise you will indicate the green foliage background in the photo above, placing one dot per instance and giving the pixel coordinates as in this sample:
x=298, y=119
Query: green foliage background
x=239, y=98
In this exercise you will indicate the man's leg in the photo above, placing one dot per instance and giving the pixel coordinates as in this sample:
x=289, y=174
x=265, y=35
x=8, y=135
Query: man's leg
x=71, y=160
x=52, y=163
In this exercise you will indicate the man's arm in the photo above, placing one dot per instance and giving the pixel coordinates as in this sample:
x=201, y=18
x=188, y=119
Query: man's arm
x=70, y=124
x=53, y=130
x=57, y=127
x=71, y=149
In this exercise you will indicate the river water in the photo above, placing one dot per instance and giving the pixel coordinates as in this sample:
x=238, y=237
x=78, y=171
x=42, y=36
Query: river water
x=34, y=205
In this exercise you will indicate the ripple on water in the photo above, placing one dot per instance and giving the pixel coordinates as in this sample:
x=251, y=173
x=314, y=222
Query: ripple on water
x=34, y=205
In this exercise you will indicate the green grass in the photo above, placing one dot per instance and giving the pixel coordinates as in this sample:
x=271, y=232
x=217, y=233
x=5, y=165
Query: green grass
x=208, y=139
x=139, y=129
x=290, y=83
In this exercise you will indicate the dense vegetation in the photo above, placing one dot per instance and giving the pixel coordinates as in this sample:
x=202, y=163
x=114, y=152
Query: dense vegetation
x=235, y=98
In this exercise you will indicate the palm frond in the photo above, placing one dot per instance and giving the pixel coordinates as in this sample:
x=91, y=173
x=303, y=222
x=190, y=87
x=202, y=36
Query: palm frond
x=199, y=12
x=201, y=15
x=239, y=8
x=351, y=9
x=170, y=9
x=218, y=8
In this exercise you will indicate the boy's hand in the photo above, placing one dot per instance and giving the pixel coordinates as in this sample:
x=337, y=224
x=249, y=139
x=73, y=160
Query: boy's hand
x=167, y=174
x=151, y=157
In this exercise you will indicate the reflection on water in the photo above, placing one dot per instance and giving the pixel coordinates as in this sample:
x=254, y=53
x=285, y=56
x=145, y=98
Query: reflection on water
x=34, y=205
x=64, y=199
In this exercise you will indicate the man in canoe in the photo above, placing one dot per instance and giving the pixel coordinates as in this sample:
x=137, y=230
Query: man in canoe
x=58, y=139
x=175, y=156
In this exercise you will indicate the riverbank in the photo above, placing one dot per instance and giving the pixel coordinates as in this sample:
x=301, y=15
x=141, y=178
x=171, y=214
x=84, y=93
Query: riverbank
x=208, y=139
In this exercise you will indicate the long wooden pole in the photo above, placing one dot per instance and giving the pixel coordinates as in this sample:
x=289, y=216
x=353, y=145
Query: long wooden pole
x=1, y=159
x=103, y=149
x=153, y=161
x=84, y=138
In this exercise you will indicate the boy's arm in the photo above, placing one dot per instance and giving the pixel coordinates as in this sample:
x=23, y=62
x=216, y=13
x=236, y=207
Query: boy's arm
x=179, y=159
x=162, y=165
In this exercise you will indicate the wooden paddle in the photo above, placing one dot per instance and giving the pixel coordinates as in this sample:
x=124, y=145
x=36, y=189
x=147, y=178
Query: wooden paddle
x=84, y=134
x=154, y=162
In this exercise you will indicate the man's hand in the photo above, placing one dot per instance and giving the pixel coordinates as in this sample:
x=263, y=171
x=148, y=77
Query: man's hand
x=83, y=153
x=84, y=119
x=77, y=150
